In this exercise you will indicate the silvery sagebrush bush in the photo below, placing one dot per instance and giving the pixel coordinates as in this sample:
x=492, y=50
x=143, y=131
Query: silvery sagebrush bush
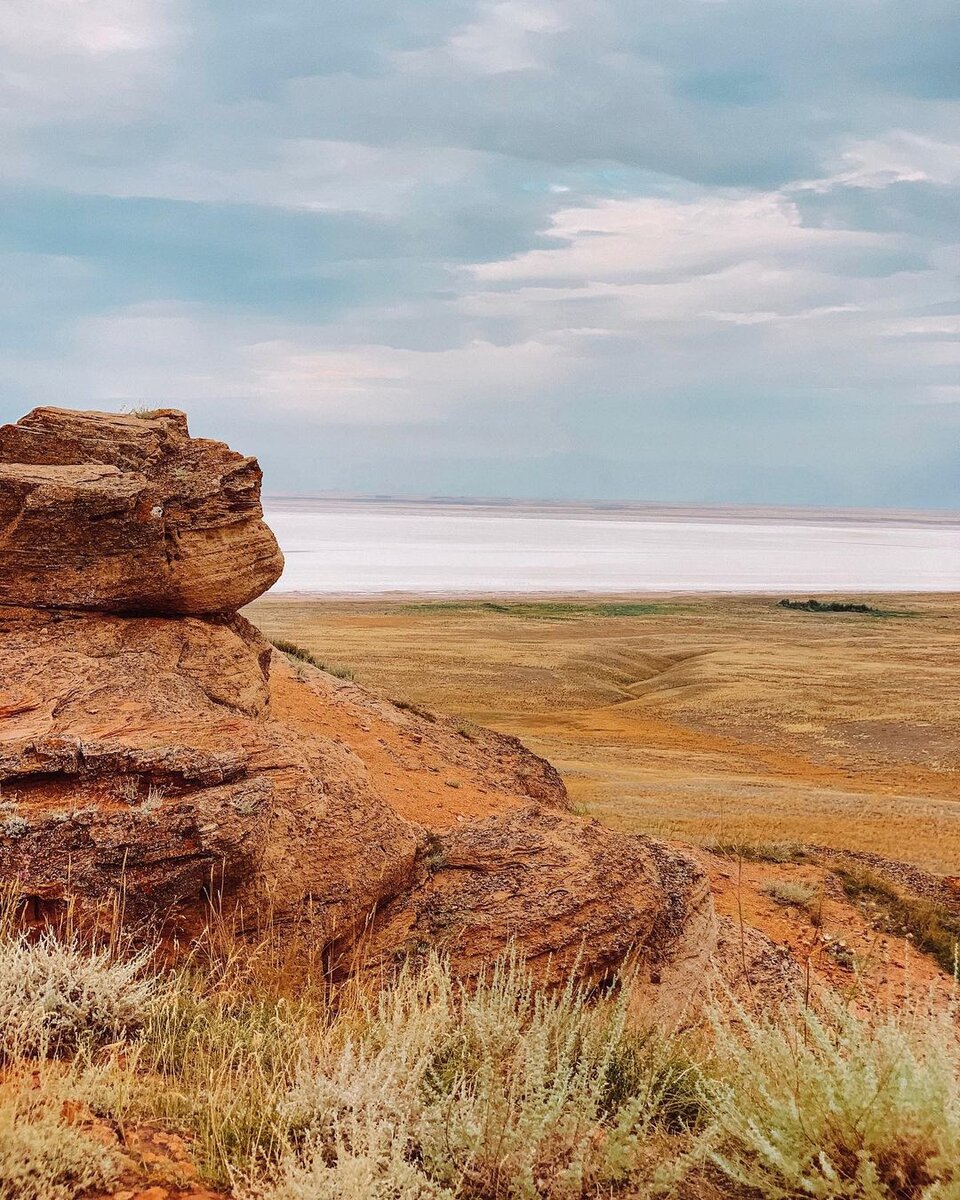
x=56, y=996
x=499, y=1091
x=833, y=1106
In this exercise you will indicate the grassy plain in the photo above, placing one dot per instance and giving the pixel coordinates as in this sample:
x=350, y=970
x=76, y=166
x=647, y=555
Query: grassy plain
x=704, y=719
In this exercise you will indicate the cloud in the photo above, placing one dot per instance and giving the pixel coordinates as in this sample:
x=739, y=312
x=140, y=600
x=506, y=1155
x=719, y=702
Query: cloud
x=898, y=157
x=655, y=237
x=704, y=250
x=507, y=36
x=62, y=61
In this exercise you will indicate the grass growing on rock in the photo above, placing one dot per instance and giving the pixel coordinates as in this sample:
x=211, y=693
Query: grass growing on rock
x=298, y=654
x=424, y=1088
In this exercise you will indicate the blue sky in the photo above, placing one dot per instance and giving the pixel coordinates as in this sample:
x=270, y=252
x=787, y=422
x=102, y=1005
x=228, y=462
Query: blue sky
x=698, y=251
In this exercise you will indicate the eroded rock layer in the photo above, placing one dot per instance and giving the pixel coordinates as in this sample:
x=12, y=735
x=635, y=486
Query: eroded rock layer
x=171, y=763
x=125, y=513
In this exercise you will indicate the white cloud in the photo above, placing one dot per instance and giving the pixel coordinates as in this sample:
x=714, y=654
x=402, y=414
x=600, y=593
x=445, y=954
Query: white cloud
x=722, y=258
x=94, y=27
x=897, y=157
x=733, y=280
x=67, y=60
x=178, y=354
x=655, y=236
x=507, y=36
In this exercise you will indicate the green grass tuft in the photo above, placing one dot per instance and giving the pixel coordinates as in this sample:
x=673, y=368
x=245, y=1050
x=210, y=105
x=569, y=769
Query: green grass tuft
x=298, y=654
x=771, y=852
x=933, y=928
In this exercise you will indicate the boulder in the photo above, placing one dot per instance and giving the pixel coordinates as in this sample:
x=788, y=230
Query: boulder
x=138, y=758
x=123, y=513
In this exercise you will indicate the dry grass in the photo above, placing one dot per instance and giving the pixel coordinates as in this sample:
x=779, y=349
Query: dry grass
x=793, y=895
x=700, y=718
x=933, y=928
x=503, y=1092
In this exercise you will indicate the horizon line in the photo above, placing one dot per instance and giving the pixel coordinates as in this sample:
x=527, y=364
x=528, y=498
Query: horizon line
x=678, y=508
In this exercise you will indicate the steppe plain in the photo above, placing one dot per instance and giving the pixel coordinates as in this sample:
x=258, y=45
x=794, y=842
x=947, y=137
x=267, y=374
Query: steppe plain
x=701, y=719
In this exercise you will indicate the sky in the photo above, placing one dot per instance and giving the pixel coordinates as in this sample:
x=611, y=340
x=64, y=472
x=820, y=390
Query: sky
x=702, y=251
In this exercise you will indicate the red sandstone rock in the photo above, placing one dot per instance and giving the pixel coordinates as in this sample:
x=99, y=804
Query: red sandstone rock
x=129, y=514
x=174, y=766
x=176, y=763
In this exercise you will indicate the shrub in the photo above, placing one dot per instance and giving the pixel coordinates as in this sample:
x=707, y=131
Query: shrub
x=56, y=996
x=830, y=1106
x=797, y=895
x=42, y=1155
x=841, y=606
x=828, y=606
x=502, y=1091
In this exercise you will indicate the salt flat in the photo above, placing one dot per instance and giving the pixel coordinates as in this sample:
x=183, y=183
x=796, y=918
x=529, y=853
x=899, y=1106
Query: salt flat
x=364, y=548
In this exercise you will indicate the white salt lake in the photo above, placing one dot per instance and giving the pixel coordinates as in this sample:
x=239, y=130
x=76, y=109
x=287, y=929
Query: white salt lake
x=362, y=548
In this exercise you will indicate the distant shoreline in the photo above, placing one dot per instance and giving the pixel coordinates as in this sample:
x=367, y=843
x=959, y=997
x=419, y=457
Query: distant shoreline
x=615, y=510
x=407, y=598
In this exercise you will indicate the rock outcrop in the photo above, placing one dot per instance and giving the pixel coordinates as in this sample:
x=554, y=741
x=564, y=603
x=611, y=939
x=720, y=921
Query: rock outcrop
x=177, y=761
x=129, y=514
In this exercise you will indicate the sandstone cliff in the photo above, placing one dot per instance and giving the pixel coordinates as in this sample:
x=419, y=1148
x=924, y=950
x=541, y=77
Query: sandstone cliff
x=154, y=747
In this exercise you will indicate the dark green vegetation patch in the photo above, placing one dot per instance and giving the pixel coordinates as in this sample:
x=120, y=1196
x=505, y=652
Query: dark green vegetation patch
x=298, y=654
x=549, y=610
x=841, y=606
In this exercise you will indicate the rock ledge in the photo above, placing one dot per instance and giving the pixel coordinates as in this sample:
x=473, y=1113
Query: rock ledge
x=123, y=513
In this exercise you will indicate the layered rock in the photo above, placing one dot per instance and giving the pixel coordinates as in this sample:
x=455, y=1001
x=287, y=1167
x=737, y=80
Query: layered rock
x=170, y=763
x=129, y=514
x=139, y=757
